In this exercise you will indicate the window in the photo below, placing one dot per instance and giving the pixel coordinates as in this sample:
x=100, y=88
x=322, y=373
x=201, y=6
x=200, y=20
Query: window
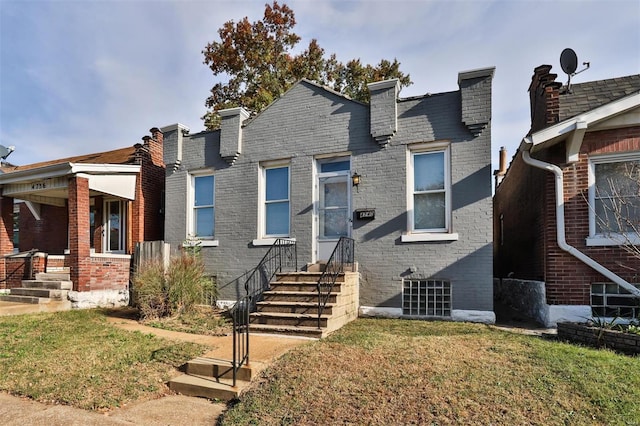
x=276, y=202
x=429, y=194
x=426, y=298
x=614, y=198
x=611, y=300
x=203, y=210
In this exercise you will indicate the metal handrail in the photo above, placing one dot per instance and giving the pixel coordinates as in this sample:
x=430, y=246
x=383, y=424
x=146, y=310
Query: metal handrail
x=342, y=255
x=280, y=256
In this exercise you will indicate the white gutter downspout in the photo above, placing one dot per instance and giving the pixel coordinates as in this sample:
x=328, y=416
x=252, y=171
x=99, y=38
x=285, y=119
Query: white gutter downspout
x=562, y=243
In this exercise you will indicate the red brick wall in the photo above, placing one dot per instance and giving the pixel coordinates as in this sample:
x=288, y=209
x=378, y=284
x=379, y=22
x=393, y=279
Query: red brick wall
x=109, y=273
x=48, y=234
x=79, y=242
x=526, y=198
x=518, y=238
x=568, y=280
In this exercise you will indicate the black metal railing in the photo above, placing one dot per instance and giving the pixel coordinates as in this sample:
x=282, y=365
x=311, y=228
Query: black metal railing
x=281, y=256
x=341, y=259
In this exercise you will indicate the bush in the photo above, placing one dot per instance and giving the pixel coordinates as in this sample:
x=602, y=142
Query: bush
x=184, y=285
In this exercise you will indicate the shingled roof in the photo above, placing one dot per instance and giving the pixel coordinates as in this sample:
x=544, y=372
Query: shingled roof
x=118, y=156
x=588, y=96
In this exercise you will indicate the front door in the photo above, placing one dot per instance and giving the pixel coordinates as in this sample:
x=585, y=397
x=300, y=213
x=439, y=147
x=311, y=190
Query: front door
x=334, y=206
x=114, y=225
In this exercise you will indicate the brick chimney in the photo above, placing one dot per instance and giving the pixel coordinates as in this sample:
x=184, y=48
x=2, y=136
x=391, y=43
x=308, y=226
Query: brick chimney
x=544, y=96
x=155, y=144
x=502, y=166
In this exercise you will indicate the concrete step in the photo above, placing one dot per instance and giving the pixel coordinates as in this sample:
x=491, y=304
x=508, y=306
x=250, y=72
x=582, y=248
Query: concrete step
x=307, y=286
x=296, y=296
x=54, y=285
x=298, y=331
x=40, y=292
x=303, y=276
x=24, y=299
x=293, y=307
x=277, y=318
x=218, y=368
x=53, y=276
x=206, y=387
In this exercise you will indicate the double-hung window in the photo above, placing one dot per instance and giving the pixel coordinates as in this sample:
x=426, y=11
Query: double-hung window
x=203, y=207
x=614, y=199
x=428, y=194
x=276, y=201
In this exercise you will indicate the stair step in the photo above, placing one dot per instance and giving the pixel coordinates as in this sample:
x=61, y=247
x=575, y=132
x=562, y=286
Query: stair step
x=40, y=292
x=53, y=285
x=293, y=307
x=24, y=299
x=206, y=387
x=277, y=318
x=53, y=276
x=311, y=277
x=296, y=296
x=299, y=286
x=299, y=331
x=218, y=368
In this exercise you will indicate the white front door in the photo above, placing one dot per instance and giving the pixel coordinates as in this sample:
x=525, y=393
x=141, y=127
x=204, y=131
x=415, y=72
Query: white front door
x=114, y=238
x=334, y=206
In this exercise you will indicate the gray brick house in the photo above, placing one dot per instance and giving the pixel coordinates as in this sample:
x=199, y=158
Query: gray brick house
x=424, y=245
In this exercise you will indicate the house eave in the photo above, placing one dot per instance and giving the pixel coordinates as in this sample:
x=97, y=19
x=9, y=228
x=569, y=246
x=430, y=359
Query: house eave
x=573, y=129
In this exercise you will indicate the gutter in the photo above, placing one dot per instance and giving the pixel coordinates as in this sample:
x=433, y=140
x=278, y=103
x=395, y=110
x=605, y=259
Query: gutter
x=560, y=229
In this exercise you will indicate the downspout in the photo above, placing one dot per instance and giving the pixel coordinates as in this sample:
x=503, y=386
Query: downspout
x=562, y=242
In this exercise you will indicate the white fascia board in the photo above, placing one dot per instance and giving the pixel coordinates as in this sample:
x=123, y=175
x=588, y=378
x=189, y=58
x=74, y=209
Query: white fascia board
x=561, y=130
x=63, y=169
x=46, y=172
x=101, y=169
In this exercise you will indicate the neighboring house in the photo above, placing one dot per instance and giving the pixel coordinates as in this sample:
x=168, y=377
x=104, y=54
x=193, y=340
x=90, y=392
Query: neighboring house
x=85, y=213
x=420, y=216
x=566, y=252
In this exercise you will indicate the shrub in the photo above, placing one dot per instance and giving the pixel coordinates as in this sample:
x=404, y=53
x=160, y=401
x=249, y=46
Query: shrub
x=184, y=285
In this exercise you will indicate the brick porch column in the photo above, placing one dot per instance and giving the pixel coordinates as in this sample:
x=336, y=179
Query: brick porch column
x=79, y=241
x=6, y=233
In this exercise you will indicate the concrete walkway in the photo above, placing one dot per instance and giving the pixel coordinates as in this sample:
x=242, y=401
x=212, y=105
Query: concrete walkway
x=169, y=410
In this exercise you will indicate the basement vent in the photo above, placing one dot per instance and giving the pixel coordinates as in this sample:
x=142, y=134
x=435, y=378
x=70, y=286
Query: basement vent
x=426, y=298
x=611, y=300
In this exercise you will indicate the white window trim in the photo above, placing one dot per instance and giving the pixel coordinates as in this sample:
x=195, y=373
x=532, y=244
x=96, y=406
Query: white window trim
x=263, y=238
x=610, y=239
x=446, y=234
x=190, y=234
x=106, y=219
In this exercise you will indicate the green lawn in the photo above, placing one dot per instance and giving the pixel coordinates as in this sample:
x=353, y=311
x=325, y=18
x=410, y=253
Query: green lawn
x=77, y=358
x=413, y=372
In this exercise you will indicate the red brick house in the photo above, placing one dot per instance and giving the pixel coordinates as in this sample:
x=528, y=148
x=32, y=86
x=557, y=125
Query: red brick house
x=84, y=213
x=558, y=254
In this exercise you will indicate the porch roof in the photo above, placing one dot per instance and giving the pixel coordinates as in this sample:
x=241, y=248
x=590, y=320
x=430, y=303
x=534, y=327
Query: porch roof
x=48, y=184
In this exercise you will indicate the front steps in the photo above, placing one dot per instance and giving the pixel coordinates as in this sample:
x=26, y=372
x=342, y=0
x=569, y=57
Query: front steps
x=290, y=307
x=213, y=379
x=47, y=287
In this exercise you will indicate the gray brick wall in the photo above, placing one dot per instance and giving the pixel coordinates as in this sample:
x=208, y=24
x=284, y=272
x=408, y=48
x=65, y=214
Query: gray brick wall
x=308, y=122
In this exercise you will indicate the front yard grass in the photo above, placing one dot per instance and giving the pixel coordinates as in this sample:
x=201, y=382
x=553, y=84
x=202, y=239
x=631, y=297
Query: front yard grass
x=76, y=358
x=414, y=372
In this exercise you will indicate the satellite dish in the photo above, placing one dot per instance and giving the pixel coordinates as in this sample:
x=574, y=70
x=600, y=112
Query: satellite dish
x=4, y=151
x=569, y=61
x=569, y=64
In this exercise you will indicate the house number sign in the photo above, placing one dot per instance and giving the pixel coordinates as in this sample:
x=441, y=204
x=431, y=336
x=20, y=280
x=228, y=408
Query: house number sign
x=365, y=214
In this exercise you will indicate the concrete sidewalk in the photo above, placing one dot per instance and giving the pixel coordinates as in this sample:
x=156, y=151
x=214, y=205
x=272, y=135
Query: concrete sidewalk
x=169, y=410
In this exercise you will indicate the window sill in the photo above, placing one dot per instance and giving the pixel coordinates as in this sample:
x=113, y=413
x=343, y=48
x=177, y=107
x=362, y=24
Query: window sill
x=202, y=243
x=416, y=238
x=612, y=240
x=268, y=241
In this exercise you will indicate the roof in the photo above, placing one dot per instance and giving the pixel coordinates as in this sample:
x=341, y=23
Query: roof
x=593, y=94
x=118, y=156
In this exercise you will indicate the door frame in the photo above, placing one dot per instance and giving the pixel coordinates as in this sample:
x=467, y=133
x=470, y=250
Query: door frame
x=106, y=220
x=317, y=175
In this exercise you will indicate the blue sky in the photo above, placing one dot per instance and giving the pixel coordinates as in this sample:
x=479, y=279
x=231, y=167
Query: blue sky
x=85, y=76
